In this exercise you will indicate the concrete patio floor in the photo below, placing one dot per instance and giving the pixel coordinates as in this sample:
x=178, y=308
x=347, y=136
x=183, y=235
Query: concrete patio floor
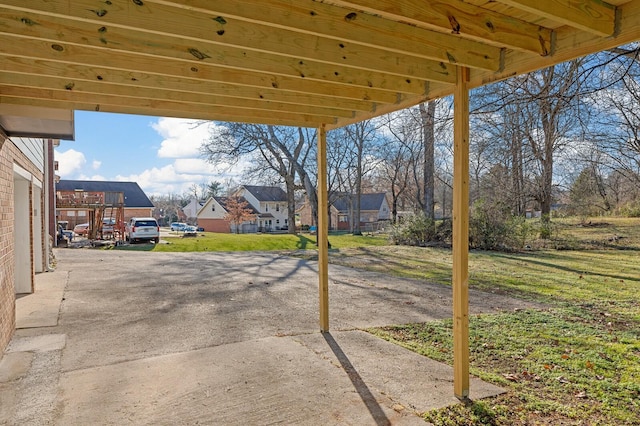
x=117, y=337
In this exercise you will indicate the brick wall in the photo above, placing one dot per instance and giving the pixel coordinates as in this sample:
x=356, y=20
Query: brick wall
x=215, y=225
x=9, y=155
x=130, y=212
x=7, y=295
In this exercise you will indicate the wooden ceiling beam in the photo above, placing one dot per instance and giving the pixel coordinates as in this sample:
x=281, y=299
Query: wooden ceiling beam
x=113, y=103
x=204, y=72
x=570, y=44
x=389, y=66
x=347, y=26
x=461, y=18
x=203, y=115
x=593, y=16
x=119, y=40
x=240, y=46
x=204, y=100
x=135, y=81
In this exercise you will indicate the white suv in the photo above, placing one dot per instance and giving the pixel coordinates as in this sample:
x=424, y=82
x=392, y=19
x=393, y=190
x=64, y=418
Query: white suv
x=142, y=229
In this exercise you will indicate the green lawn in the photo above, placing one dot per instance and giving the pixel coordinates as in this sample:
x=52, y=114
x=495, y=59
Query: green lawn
x=575, y=362
x=208, y=241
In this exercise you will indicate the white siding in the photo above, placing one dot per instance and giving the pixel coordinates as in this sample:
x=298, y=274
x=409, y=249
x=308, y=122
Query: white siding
x=211, y=210
x=251, y=199
x=384, y=213
x=33, y=149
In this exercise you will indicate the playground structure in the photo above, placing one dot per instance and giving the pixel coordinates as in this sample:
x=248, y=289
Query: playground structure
x=100, y=206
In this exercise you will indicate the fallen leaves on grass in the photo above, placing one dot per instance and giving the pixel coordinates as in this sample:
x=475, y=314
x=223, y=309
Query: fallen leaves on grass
x=525, y=375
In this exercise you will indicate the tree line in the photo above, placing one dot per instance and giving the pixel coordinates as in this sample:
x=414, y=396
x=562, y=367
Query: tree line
x=567, y=135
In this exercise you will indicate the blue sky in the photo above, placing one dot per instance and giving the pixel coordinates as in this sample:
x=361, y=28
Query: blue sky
x=161, y=154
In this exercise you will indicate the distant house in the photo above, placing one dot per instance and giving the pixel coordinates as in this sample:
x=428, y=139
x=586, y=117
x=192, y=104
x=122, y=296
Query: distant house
x=305, y=218
x=271, y=204
x=192, y=208
x=268, y=203
x=211, y=217
x=136, y=202
x=374, y=209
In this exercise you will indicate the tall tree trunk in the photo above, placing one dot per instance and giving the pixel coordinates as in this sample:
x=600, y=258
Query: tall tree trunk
x=517, y=170
x=546, y=189
x=312, y=195
x=427, y=114
x=358, y=195
x=290, y=185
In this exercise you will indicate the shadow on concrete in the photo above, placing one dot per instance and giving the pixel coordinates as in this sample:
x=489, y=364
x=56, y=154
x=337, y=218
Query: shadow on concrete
x=361, y=387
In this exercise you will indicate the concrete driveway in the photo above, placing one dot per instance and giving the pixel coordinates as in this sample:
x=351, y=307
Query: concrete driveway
x=116, y=337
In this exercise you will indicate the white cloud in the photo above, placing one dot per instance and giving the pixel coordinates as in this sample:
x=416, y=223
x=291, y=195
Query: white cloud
x=164, y=180
x=182, y=138
x=92, y=177
x=96, y=164
x=193, y=166
x=69, y=162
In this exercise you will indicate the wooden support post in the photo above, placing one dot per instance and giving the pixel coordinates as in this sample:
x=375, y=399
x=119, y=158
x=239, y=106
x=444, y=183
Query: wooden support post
x=323, y=230
x=461, y=235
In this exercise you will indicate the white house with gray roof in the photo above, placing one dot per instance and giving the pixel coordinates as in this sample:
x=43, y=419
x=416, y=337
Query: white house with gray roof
x=267, y=203
x=271, y=204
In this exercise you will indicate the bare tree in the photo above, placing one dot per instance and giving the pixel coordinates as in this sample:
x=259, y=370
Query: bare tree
x=285, y=151
x=360, y=139
x=534, y=118
x=428, y=121
x=398, y=155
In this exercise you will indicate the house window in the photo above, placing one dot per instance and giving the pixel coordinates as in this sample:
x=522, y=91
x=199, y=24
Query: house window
x=277, y=207
x=343, y=218
x=285, y=221
x=266, y=207
x=82, y=213
x=277, y=221
x=213, y=207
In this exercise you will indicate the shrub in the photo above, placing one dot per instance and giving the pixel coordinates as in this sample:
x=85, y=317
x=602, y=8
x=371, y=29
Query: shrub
x=630, y=209
x=492, y=227
x=419, y=230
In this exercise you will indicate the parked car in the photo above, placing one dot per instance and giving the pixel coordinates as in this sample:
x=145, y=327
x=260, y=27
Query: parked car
x=107, y=227
x=142, y=229
x=190, y=231
x=178, y=226
x=81, y=229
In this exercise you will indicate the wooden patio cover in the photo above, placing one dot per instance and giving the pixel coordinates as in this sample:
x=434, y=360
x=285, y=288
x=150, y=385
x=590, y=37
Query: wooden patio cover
x=322, y=64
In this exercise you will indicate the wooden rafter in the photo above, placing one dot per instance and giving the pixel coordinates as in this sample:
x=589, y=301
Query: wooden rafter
x=346, y=60
x=123, y=95
x=372, y=69
x=593, y=16
x=120, y=66
x=461, y=18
